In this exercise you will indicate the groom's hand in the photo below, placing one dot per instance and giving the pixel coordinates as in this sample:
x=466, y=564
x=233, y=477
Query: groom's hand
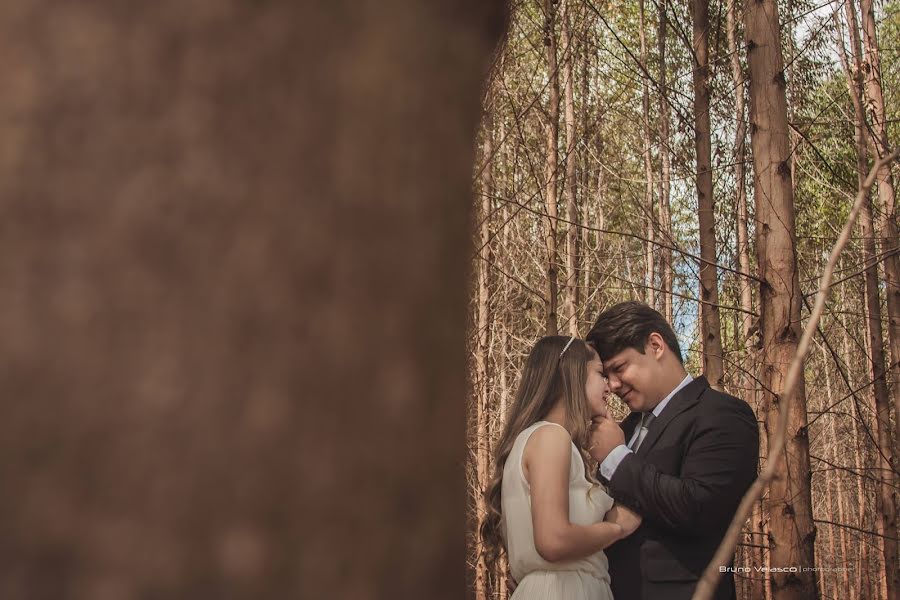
x=605, y=435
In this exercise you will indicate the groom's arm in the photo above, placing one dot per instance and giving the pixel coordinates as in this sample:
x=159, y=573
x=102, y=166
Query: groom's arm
x=719, y=465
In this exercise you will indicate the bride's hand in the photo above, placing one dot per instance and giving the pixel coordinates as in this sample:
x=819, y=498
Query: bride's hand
x=626, y=518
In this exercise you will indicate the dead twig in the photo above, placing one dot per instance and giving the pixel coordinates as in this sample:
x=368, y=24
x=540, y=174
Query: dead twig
x=707, y=583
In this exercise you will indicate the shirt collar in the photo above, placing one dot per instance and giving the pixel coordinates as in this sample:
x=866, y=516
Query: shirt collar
x=659, y=407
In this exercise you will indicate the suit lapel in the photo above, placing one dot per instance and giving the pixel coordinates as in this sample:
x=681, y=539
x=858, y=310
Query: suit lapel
x=686, y=397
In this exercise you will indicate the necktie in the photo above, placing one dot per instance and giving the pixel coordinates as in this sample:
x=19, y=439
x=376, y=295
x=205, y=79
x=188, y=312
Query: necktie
x=646, y=419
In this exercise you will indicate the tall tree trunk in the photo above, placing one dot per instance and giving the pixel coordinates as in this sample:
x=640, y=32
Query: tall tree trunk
x=830, y=489
x=572, y=300
x=219, y=343
x=504, y=324
x=790, y=46
x=763, y=512
x=587, y=241
x=850, y=590
x=502, y=367
x=876, y=568
x=890, y=240
x=482, y=387
x=859, y=444
x=600, y=199
x=884, y=503
x=757, y=581
x=504, y=394
x=551, y=171
x=711, y=329
x=835, y=493
x=650, y=229
x=740, y=155
x=700, y=339
x=792, y=532
x=665, y=214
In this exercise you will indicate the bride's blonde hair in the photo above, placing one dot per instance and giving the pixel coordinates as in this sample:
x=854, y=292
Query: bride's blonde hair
x=546, y=377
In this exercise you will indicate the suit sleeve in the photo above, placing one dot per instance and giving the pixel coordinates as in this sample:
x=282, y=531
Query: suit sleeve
x=719, y=464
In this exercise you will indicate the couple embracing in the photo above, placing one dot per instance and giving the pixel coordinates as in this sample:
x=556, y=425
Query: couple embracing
x=648, y=520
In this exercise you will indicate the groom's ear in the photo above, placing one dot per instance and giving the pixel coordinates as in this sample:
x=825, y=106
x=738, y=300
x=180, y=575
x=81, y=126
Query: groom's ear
x=656, y=346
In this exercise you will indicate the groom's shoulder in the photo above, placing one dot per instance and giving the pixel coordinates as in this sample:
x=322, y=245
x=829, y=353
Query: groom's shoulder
x=715, y=402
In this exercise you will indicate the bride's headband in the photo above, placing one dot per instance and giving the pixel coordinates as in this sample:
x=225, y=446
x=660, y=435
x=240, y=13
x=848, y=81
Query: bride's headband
x=569, y=343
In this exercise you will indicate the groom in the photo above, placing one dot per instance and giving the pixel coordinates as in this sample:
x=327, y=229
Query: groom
x=682, y=459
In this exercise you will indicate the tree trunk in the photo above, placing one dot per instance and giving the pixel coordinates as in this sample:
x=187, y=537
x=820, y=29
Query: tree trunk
x=765, y=554
x=504, y=393
x=889, y=245
x=790, y=46
x=502, y=567
x=884, y=503
x=587, y=241
x=757, y=580
x=832, y=488
x=792, y=534
x=858, y=443
x=877, y=479
x=602, y=181
x=711, y=330
x=665, y=178
x=650, y=229
x=835, y=494
x=572, y=300
x=850, y=590
x=740, y=155
x=232, y=378
x=859, y=462
x=550, y=171
x=482, y=387
x=824, y=581
x=600, y=207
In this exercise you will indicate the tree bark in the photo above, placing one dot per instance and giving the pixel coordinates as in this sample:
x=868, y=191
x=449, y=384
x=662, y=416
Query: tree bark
x=665, y=178
x=740, y=155
x=650, y=229
x=890, y=240
x=757, y=581
x=227, y=375
x=859, y=444
x=711, y=330
x=587, y=241
x=502, y=569
x=866, y=589
x=792, y=533
x=551, y=167
x=790, y=46
x=482, y=375
x=572, y=242
x=884, y=503
x=835, y=494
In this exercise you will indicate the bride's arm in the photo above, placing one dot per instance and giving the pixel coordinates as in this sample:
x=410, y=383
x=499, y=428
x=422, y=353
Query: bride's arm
x=546, y=463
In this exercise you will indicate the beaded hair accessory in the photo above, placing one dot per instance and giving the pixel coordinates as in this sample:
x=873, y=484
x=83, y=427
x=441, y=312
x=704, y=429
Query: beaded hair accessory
x=569, y=343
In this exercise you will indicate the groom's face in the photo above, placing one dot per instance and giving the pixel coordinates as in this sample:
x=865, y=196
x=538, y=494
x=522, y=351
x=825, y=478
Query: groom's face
x=633, y=377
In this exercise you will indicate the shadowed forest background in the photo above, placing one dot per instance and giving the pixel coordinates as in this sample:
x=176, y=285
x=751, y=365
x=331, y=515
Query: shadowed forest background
x=703, y=157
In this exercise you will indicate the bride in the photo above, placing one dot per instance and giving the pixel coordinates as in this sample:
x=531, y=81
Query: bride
x=545, y=508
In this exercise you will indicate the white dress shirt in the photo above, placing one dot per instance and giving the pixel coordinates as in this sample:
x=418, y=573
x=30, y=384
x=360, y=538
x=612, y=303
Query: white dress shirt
x=611, y=462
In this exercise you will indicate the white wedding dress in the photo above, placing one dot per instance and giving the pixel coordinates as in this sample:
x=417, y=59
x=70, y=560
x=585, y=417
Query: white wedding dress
x=537, y=579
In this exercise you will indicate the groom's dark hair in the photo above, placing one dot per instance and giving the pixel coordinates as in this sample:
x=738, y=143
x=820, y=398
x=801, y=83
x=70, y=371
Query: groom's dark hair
x=629, y=325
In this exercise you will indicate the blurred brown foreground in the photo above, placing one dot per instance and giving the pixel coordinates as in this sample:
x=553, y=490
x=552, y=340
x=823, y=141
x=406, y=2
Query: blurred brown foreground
x=233, y=272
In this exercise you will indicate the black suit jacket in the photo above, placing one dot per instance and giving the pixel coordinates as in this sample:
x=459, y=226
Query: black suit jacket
x=686, y=480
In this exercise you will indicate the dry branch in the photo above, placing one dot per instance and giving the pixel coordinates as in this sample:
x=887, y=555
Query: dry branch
x=707, y=584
